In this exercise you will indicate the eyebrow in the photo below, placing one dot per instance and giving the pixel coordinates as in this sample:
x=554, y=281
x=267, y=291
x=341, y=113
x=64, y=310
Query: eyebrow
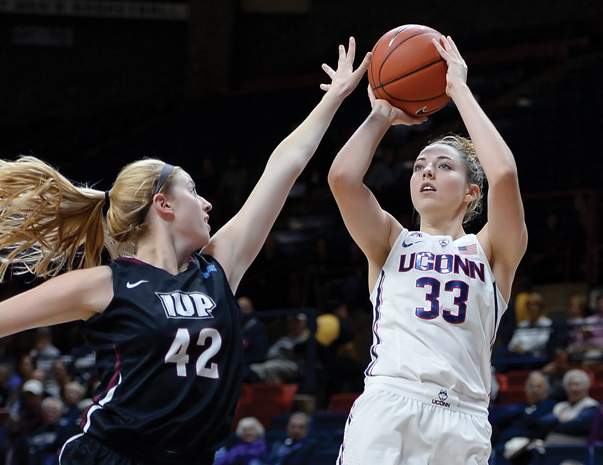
x=439, y=157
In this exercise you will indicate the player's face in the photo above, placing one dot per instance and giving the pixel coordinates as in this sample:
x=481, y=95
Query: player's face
x=191, y=216
x=439, y=182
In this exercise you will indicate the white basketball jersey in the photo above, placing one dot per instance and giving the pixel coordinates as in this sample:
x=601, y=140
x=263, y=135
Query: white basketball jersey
x=436, y=312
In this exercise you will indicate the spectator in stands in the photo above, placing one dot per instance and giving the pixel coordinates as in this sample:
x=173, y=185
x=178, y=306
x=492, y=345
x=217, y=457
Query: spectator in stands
x=588, y=340
x=82, y=354
x=520, y=420
x=337, y=354
x=285, y=355
x=521, y=294
x=532, y=340
x=73, y=393
x=554, y=371
x=516, y=311
x=25, y=366
x=60, y=377
x=256, y=340
x=26, y=414
x=42, y=446
x=532, y=335
x=44, y=352
x=577, y=309
x=250, y=448
x=571, y=421
x=297, y=449
x=576, y=312
x=596, y=433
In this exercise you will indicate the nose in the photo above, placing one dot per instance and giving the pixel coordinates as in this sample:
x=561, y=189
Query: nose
x=206, y=205
x=428, y=172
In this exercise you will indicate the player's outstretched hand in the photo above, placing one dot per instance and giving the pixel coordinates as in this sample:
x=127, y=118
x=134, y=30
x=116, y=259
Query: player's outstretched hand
x=393, y=114
x=345, y=79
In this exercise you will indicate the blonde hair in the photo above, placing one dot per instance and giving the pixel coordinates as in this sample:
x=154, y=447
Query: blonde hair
x=475, y=172
x=48, y=224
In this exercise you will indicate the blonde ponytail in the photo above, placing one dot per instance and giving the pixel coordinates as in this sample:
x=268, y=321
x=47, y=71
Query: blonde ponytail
x=47, y=224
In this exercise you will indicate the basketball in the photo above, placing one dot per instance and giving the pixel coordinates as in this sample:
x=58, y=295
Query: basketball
x=408, y=71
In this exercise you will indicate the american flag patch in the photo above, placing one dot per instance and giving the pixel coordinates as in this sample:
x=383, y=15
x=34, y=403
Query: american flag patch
x=470, y=249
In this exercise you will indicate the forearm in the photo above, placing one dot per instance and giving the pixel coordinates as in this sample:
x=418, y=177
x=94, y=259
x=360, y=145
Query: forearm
x=302, y=143
x=354, y=159
x=579, y=426
x=492, y=150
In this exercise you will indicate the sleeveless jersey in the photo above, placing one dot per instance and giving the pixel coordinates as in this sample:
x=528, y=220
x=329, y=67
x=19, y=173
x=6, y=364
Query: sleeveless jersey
x=169, y=356
x=436, y=312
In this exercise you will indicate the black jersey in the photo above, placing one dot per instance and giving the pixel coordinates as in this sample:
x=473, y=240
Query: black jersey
x=169, y=356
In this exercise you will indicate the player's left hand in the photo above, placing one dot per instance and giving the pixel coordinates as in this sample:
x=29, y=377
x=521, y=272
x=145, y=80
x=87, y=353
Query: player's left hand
x=457, y=68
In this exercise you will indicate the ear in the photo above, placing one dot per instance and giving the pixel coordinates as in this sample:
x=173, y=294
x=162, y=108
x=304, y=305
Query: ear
x=472, y=193
x=162, y=205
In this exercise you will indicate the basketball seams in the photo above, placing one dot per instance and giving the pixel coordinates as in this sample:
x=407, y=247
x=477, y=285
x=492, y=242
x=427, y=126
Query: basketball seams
x=408, y=71
x=393, y=50
x=433, y=63
x=426, y=100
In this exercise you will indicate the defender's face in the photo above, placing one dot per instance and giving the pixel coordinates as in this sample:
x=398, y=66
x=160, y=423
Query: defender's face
x=191, y=211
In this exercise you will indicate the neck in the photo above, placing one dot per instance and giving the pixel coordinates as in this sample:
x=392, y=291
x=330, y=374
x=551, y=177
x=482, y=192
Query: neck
x=452, y=228
x=162, y=254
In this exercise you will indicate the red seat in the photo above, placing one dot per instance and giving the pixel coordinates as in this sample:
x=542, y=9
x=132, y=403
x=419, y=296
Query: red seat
x=242, y=405
x=511, y=396
x=596, y=392
x=597, y=371
x=503, y=382
x=517, y=377
x=342, y=402
x=269, y=399
x=590, y=373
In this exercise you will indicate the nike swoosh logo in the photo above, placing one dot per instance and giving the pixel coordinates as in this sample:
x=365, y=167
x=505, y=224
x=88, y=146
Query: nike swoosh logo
x=404, y=244
x=424, y=111
x=133, y=285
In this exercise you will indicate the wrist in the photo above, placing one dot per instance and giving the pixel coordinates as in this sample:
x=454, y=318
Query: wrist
x=381, y=117
x=338, y=92
x=458, y=89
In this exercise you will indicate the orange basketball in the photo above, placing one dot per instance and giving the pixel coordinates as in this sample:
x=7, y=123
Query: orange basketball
x=408, y=71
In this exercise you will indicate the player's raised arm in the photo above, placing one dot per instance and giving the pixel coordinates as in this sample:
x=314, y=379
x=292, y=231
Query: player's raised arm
x=372, y=228
x=505, y=233
x=238, y=242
